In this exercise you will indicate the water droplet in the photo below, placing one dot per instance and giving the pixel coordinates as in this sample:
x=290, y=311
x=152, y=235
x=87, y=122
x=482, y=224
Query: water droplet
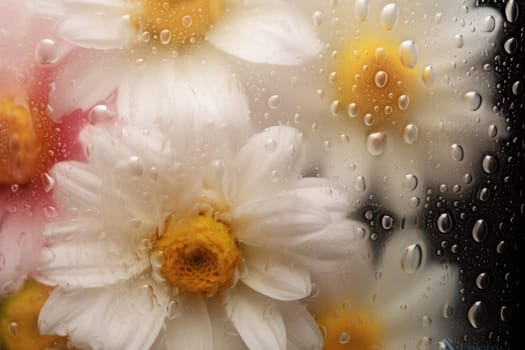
x=412, y=258
x=47, y=51
x=381, y=79
x=428, y=75
x=477, y=314
x=317, y=18
x=274, y=101
x=490, y=164
x=424, y=343
x=12, y=329
x=335, y=107
x=410, y=134
x=186, y=21
x=493, y=130
x=456, y=152
x=409, y=183
x=165, y=36
x=408, y=53
x=483, y=280
x=501, y=247
x=270, y=145
x=402, y=102
x=48, y=182
x=488, y=24
x=360, y=184
x=472, y=100
x=100, y=113
x=511, y=11
x=352, y=110
x=458, y=41
x=444, y=223
x=505, y=314
x=484, y=194
x=480, y=231
x=426, y=321
x=447, y=311
x=361, y=10
x=387, y=222
x=516, y=87
x=510, y=45
x=344, y=338
x=135, y=166
x=375, y=143
x=389, y=16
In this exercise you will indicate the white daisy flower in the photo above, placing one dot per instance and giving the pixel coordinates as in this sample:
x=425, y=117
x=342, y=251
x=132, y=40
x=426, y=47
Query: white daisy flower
x=162, y=55
x=408, y=306
x=403, y=95
x=173, y=243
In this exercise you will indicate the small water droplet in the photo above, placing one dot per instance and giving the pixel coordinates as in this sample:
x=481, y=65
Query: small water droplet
x=477, y=314
x=408, y=53
x=135, y=166
x=505, y=314
x=456, y=152
x=409, y=183
x=47, y=51
x=389, y=16
x=317, y=18
x=387, y=222
x=360, y=184
x=344, y=338
x=458, y=41
x=274, y=101
x=472, y=100
x=480, y=231
x=361, y=10
x=444, y=223
x=493, y=131
x=484, y=194
x=165, y=36
x=490, y=164
x=510, y=45
x=375, y=143
x=426, y=321
x=412, y=258
x=335, y=107
x=12, y=329
x=381, y=79
x=488, y=24
x=402, y=102
x=516, y=87
x=352, y=110
x=447, y=311
x=186, y=21
x=410, y=134
x=428, y=75
x=483, y=280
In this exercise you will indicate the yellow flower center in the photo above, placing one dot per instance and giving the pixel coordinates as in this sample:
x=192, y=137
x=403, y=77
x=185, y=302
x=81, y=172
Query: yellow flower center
x=377, y=81
x=198, y=254
x=345, y=327
x=18, y=321
x=176, y=22
x=20, y=143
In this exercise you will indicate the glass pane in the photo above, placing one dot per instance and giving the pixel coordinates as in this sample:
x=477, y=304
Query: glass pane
x=227, y=174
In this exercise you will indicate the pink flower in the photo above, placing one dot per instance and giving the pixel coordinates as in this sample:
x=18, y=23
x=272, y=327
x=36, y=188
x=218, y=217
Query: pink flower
x=31, y=141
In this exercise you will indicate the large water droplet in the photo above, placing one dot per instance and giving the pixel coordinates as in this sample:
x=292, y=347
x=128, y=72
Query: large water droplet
x=412, y=258
x=410, y=134
x=375, y=143
x=274, y=101
x=165, y=36
x=444, y=223
x=408, y=53
x=456, y=152
x=480, y=231
x=389, y=16
x=490, y=164
x=361, y=10
x=472, y=100
x=352, y=110
x=387, y=222
x=403, y=102
x=511, y=11
x=477, y=314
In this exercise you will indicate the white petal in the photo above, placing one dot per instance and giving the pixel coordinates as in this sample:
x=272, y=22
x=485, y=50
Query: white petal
x=122, y=317
x=191, y=330
x=301, y=329
x=325, y=194
x=268, y=161
x=270, y=33
x=276, y=274
x=284, y=220
x=196, y=94
x=84, y=79
x=81, y=254
x=52, y=8
x=257, y=319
